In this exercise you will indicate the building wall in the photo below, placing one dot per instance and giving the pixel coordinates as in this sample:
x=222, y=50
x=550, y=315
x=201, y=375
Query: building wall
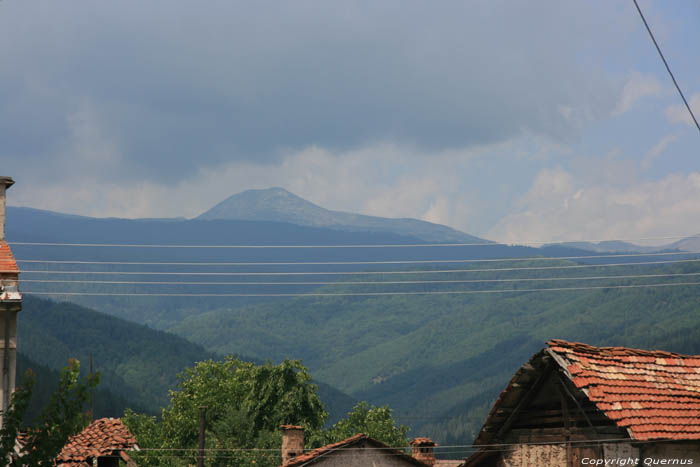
x=528, y=455
x=358, y=457
x=687, y=453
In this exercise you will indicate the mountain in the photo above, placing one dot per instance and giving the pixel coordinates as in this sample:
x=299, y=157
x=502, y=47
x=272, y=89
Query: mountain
x=138, y=364
x=278, y=204
x=612, y=246
x=439, y=361
x=691, y=243
x=105, y=402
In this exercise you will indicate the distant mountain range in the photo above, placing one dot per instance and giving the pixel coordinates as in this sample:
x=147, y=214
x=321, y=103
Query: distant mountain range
x=438, y=360
x=278, y=204
x=691, y=244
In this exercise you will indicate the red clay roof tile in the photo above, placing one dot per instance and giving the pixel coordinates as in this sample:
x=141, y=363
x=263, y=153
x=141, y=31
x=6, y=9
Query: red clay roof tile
x=7, y=261
x=654, y=394
x=103, y=437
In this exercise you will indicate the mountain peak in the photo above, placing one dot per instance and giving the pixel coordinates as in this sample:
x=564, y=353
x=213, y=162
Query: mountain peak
x=280, y=205
x=268, y=204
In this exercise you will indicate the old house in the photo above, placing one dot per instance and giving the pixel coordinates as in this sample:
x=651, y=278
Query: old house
x=10, y=305
x=104, y=443
x=357, y=451
x=575, y=404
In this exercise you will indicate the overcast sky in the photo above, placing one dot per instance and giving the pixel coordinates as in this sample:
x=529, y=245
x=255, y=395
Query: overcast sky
x=512, y=120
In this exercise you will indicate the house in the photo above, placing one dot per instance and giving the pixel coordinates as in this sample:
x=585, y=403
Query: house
x=357, y=451
x=575, y=404
x=103, y=443
x=10, y=305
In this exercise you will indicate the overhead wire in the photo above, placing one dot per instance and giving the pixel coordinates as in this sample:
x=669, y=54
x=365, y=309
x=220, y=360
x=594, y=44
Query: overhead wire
x=356, y=263
x=411, y=282
x=364, y=294
x=394, y=245
x=668, y=68
x=335, y=273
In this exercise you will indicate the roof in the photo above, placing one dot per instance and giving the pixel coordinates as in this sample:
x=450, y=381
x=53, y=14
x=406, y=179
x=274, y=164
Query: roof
x=311, y=456
x=422, y=442
x=7, y=261
x=648, y=394
x=653, y=394
x=103, y=437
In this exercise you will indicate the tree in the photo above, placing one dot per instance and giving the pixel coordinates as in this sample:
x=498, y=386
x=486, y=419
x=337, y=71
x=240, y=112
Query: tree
x=61, y=418
x=246, y=403
x=373, y=421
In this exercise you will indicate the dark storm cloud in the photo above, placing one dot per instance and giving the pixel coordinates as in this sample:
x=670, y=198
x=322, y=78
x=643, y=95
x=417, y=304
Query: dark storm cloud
x=180, y=85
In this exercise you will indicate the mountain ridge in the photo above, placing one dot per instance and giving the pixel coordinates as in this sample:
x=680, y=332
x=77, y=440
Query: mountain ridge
x=278, y=204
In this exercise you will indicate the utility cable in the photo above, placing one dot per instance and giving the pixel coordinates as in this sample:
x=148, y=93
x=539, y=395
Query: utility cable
x=397, y=245
x=365, y=294
x=687, y=106
x=410, y=282
x=355, y=263
x=356, y=273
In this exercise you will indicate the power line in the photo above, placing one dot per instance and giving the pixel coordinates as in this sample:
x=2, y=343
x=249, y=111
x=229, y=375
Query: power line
x=364, y=294
x=395, y=245
x=410, y=282
x=354, y=263
x=350, y=273
x=687, y=106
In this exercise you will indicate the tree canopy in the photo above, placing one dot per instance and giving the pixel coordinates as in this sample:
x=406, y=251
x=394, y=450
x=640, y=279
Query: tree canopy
x=245, y=406
x=61, y=418
x=376, y=422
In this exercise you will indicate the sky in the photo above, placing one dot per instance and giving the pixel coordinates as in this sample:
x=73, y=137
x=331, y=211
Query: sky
x=513, y=120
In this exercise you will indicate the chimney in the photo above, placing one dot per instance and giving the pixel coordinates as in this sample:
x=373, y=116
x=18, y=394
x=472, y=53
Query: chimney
x=5, y=183
x=292, y=442
x=423, y=449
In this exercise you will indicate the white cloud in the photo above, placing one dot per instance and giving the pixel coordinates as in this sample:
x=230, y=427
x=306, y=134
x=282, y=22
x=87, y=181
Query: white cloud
x=679, y=113
x=658, y=149
x=637, y=87
x=558, y=208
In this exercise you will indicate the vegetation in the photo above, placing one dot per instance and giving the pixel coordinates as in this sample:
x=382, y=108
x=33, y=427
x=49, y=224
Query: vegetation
x=440, y=361
x=376, y=422
x=245, y=406
x=63, y=417
x=137, y=363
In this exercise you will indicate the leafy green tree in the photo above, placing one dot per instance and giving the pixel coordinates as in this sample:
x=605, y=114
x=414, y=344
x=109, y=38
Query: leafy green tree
x=245, y=405
x=376, y=422
x=61, y=418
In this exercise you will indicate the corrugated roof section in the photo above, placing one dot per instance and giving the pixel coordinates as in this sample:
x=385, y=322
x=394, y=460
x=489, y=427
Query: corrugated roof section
x=7, y=261
x=103, y=437
x=653, y=394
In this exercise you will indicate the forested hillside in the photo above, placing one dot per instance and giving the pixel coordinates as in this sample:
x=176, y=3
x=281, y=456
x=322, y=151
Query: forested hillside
x=138, y=364
x=440, y=361
x=433, y=331
x=104, y=401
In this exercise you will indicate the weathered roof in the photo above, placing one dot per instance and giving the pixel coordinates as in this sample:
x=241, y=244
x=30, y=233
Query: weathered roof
x=653, y=394
x=103, y=437
x=311, y=456
x=7, y=261
x=649, y=394
x=422, y=442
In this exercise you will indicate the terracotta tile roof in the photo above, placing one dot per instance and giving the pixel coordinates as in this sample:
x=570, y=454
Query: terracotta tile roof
x=7, y=261
x=310, y=456
x=103, y=437
x=653, y=394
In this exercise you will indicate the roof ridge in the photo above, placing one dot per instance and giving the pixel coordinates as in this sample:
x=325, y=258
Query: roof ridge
x=580, y=346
